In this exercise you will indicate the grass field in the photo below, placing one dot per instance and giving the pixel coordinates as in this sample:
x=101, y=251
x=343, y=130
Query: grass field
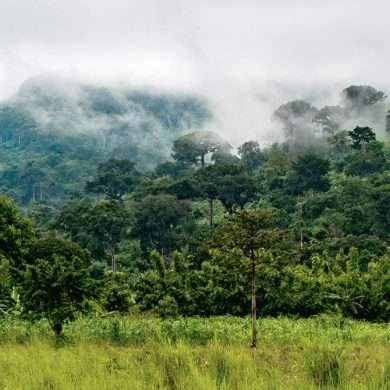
x=149, y=353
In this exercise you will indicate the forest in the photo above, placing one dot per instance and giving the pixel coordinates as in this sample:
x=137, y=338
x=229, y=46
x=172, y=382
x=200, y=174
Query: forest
x=154, y=214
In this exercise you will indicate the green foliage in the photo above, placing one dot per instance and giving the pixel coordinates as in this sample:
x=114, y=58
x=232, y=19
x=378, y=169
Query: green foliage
x=221, y=292
x=16, y=234
x=251, y=156
x=361, y=137
x=352, y=285
x=196, y=353
x=157, y=219
x=366, y=161
x=168, y=307
x=5, y=287
x=191, y=149
x=54, y=134
x=309, y=173
x=227, y=183
x=251, y=230
x=56, y=282
x=116, y=295
x=325, y=368
x=98, y=227
x=190, y=236
x=114, y=179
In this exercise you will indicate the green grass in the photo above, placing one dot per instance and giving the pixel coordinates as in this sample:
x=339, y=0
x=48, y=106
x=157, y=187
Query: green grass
x=149, y=353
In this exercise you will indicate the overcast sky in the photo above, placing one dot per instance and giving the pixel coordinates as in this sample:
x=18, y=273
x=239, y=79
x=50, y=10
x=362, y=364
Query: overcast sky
x=239, y=53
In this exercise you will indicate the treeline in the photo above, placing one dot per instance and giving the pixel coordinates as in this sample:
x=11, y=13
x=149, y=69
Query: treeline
x=303, y=229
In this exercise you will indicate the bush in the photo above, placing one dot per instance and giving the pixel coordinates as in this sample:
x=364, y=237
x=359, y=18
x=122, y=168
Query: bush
x=168, y=307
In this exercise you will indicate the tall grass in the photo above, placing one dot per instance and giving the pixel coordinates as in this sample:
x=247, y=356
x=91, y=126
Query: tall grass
x=149, y=353
x=201, y=331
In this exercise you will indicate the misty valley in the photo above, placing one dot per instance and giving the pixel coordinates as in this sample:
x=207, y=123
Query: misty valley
x=140, y=247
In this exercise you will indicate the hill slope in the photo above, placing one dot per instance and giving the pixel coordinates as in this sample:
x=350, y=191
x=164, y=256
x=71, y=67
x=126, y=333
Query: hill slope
x=53, y=133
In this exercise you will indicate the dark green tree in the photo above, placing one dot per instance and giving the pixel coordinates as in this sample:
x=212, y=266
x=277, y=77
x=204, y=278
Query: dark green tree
x=251, y=156
x=114, y=178
x=367, y=161
x=116, y=294
x=163, y=287
x=109, y=223
x=73, y=220
x=309, y=172
x=339, y=142
x=6, y=287
x=173, y=169
x=227, y=183
x=16, y=234
x=381, y=197
x=98, y=227
x=361, y=137
x=224, y=157
x=157, y=220
x=207, y=182
x=254, y=232
x=56, y=282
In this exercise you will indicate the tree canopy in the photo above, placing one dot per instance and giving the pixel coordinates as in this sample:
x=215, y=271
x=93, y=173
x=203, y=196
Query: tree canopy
x=191, y=149
x=299, y=227
x=56, y=281
x=114, y=179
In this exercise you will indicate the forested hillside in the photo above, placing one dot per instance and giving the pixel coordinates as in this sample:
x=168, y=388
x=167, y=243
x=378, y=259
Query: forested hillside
x=54, y=133
x=306, y=222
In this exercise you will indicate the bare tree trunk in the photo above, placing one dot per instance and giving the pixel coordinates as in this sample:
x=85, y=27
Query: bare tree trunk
x=254, y=305
x=211, y=212
x=301, y=239
x=113, y=261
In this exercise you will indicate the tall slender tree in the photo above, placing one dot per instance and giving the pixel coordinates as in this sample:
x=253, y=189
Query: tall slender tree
x=254, y=232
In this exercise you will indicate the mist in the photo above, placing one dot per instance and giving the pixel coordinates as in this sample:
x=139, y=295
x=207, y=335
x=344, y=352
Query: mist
x=244, y=57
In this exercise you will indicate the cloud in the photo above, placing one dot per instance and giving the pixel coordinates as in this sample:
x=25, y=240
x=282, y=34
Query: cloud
x=246, y=56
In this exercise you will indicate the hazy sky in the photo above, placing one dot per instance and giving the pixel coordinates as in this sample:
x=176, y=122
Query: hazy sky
x=241, y=54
